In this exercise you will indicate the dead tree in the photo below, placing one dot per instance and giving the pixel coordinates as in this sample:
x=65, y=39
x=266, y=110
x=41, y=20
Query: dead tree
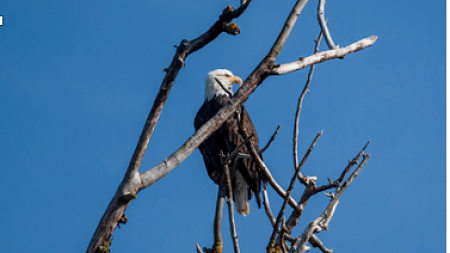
x=133, y=181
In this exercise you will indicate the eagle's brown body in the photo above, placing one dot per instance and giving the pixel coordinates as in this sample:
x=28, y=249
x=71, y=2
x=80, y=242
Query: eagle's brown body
x=225, y=140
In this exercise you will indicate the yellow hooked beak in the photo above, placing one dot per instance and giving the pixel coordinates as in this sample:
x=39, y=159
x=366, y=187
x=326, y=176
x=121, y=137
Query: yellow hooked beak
x=235, y=79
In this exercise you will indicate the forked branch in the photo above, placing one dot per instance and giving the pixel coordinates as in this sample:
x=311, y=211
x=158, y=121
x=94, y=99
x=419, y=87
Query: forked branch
x=321, y=222
x=311, y=190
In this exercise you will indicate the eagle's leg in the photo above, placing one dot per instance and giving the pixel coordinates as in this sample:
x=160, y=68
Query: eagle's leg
x=218, y=243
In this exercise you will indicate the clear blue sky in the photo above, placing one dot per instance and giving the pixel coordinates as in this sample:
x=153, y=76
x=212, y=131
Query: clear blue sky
x=78, y=78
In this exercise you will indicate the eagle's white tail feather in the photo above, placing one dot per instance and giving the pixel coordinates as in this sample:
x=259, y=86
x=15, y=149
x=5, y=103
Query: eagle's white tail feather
x=240, y=194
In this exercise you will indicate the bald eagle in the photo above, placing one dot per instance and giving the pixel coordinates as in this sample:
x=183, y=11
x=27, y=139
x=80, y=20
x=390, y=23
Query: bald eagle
x=247, y=177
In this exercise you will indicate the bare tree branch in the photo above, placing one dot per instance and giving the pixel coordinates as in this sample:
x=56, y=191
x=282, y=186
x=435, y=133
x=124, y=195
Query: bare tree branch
x=282, y=233
x=234, y=237
x=257, y=158
x=352, y=176
x=218, y=242
x=266, y=201
x=291, y=186
x=311, y=190
x=323, y=56
x=298, y=210
x=271, y=140
x=321, y=222
x=278, y=189
x=287, y=28
x=351, y=163
x=267, y=209
x=299, y=105
x=316, y=243
x=323, y=25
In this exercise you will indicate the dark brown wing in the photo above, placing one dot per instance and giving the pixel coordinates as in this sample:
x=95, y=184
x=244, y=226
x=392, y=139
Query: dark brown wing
x=248, y=167
x=225, y=140
x=212, y=146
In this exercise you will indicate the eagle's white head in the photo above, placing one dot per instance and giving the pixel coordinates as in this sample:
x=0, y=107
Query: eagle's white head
x=220, y=82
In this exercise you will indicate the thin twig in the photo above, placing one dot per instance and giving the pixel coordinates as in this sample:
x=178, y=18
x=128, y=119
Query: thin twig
x=300, y=102
x=352, y=176
x=236, y=150
x=310, y=149
x=323, y=25
x=278, y=189
x=288, y=237
x=317, y=243
x=351, y=163
x=266, y=204
x=325, y=187
x=271, y=140
x=199, y=249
